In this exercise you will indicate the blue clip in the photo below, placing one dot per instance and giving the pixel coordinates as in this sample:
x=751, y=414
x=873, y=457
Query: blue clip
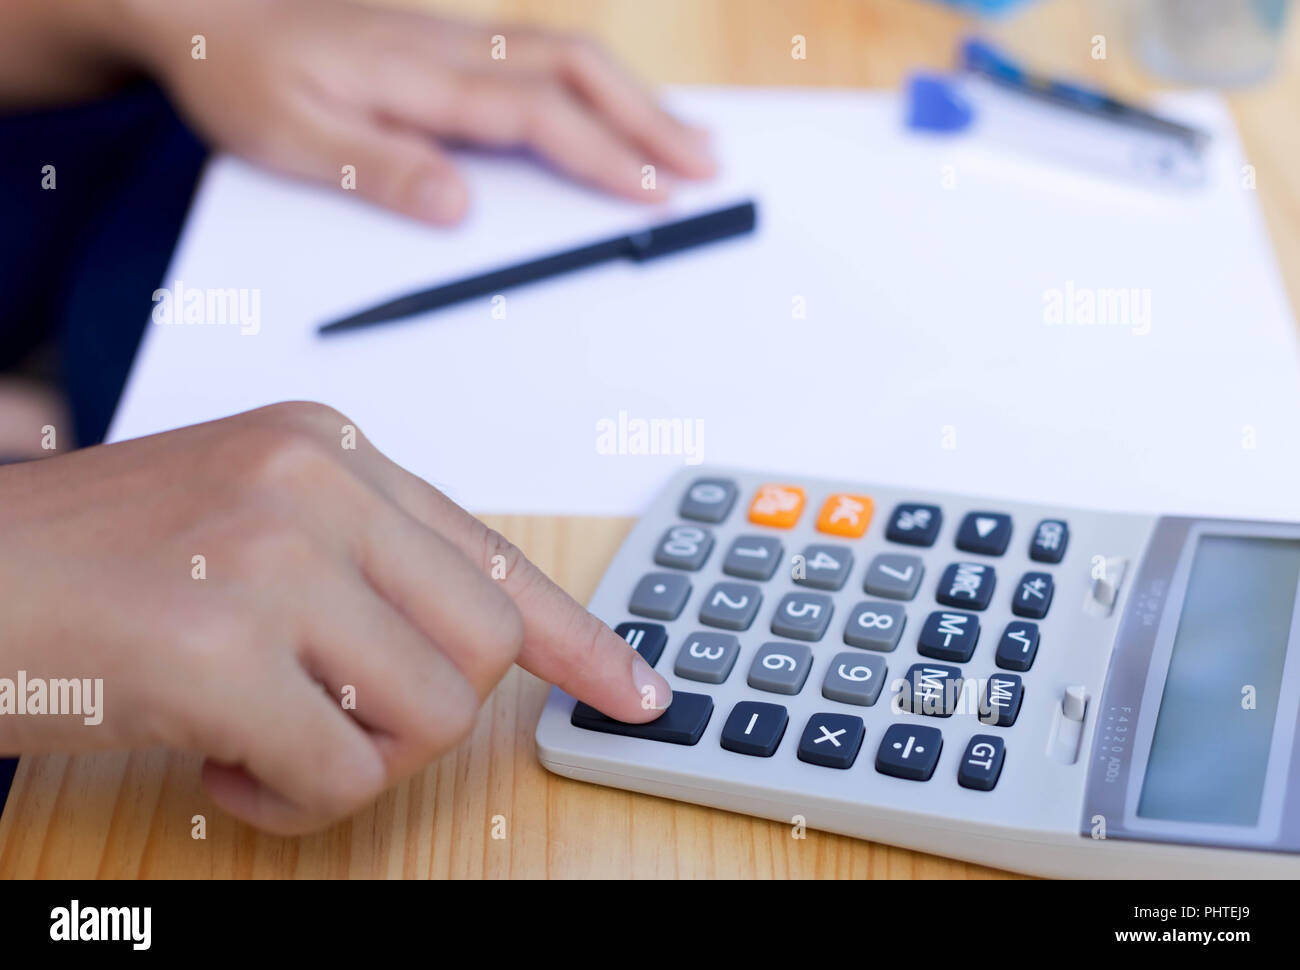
x=934, y=104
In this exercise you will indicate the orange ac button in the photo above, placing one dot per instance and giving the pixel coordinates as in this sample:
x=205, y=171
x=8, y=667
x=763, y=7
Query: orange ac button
x=845, y=515
x=777, y=505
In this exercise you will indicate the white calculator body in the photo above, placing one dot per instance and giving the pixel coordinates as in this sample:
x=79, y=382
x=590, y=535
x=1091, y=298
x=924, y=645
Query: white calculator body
x=1049, y=690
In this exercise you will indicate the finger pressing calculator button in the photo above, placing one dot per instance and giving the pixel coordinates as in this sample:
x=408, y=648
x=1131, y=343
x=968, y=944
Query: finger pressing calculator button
x=845, y=515
x=894, y=576
x=1049, y=541
x=802, y=616
x=1000, y=705
x=707, y=657
x=753, y=557
x=684, y=547
x=777, y=505
x=981, y=764
x=731, y=606
x=647, y=639
x=780, y=668
x=1033, y=595
x=708, y=500
x=932, y=689
x=984, y=532
x=909, y=751
x=966, y=584
x=660, y=596
x=755, y=728
x=949, y=636
x=875, y=626
x=915, y=525
x=682, y=723
x=832, y=740
x=823, y=567
x=854, y=678
x=1018, y=646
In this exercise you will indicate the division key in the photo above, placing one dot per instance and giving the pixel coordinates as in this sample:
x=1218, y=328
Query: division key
x=683, y=723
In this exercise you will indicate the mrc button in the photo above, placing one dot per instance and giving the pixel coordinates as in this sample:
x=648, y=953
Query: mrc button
x=986, y=533
x=966, y=584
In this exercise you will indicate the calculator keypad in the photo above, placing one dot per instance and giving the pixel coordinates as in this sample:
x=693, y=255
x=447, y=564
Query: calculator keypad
x=875, y=626
x=968, y=585
x=753, y=557
x=981, y=763
x=845, y=515
x=780, y=668
x=1033, y=595
x=987, y=533
x=778, y=506
x=909, y=751
x=948, y=635
x=805, y=593
x=894, y=576
x=914, y=525
x=707, y=657
x=755, y=729
x=647, y=639
x=684, y=547
x=708, y=500
x=854, y=678
x=824, y=567
x=1018, y=646
x=1000, y=705
x=660, y=596
x=803, y=616
x=731, y=606
x=931, y=689
x=682, y=723
x=832, y=740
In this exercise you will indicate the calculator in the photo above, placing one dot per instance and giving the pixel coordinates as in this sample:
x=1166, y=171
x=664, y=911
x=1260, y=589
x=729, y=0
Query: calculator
x=1044, y=689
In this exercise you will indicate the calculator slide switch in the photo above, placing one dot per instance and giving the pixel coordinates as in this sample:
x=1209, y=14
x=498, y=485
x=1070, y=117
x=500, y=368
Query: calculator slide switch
x=1107, y=577
x=1067, y=725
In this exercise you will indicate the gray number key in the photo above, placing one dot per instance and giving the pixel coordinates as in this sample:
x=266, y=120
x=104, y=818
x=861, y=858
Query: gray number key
x=731, y=606
x=753, y=557
x=894, y=576
x=802, y=616
x=684, y=547
x=854, y=678
x=707, y=657
x=708, y=499
x=660, y=596
x=875, y=626
x=780, y=668
x=824, y=567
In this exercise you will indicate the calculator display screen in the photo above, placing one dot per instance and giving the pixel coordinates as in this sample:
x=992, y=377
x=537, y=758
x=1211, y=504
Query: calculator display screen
x=1209, y=753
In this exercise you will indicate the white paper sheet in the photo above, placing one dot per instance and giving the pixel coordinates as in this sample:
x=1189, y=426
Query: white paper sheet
x=926, y=267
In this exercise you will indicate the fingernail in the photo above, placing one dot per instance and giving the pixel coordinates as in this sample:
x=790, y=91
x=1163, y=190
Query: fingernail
x=440, y=200
x=655, y=693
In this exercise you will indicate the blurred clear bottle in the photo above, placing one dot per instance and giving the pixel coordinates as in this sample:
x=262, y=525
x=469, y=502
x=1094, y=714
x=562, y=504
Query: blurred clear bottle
x=1214, y=43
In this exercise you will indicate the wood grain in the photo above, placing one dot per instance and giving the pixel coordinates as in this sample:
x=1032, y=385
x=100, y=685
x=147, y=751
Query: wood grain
x=128, y=815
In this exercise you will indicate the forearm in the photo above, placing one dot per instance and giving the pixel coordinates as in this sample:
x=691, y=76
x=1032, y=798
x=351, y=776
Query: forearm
x=60, y=51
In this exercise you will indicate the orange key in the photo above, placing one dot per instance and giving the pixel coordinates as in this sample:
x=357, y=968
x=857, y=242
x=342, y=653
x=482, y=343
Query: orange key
x=845, y=515
x=777, y=505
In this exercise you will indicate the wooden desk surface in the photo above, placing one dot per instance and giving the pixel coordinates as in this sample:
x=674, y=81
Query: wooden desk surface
x=128, y=815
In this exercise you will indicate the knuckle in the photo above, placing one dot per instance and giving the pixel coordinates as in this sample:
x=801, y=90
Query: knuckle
x=447, y=724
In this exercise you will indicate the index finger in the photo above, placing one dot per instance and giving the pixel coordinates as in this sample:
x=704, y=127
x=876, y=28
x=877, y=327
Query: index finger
x=563, y=643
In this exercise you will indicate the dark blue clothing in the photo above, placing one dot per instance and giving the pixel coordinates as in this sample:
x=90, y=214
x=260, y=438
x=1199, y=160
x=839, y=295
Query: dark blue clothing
x=79, y=262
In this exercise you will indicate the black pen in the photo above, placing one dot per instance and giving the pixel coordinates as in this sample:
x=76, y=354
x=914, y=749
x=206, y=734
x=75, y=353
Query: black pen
x=671, y=237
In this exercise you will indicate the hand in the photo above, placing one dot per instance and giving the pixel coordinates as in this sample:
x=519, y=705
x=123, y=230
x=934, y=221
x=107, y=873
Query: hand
x=308, y=86
x=324, y=569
